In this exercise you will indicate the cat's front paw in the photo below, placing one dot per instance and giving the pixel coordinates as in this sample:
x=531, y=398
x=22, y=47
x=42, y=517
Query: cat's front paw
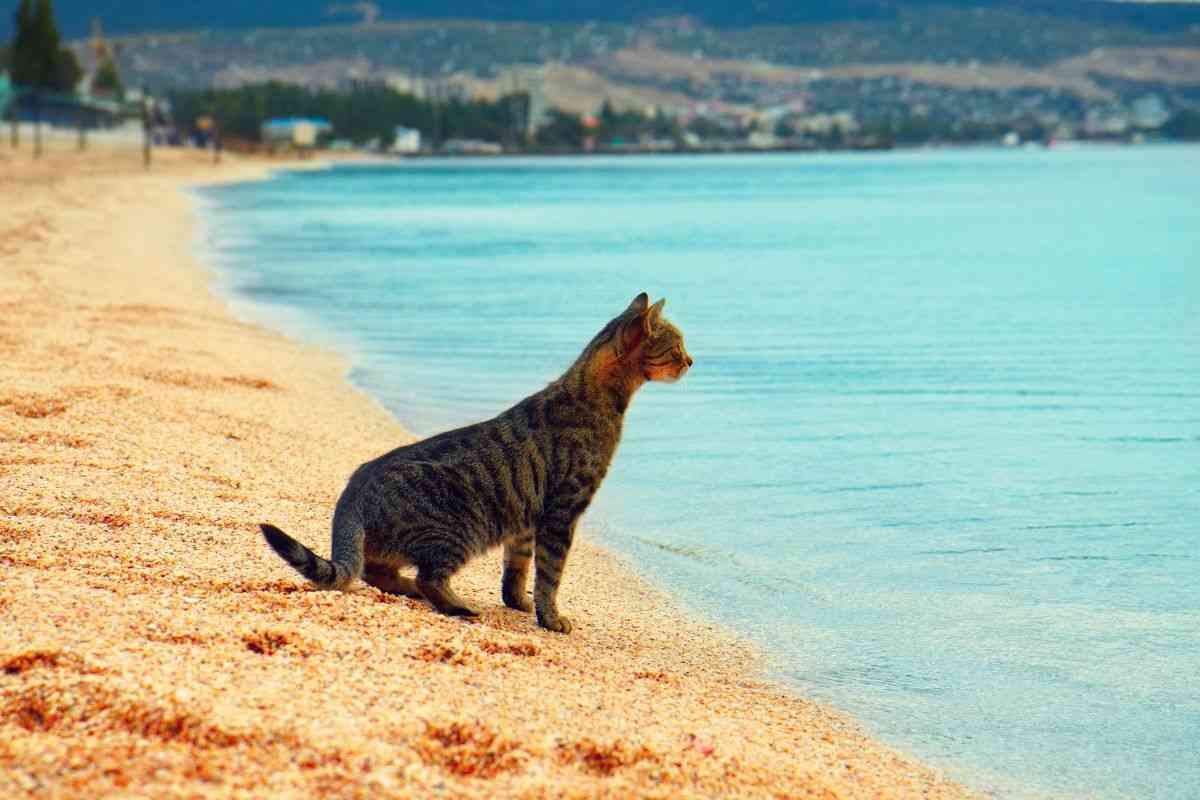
x=556, y=624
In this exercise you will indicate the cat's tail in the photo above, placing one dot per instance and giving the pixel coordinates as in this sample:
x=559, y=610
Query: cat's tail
x=345, y=566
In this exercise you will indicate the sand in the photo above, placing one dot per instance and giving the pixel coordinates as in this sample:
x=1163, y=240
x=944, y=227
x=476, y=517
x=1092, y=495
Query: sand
x=153, y=646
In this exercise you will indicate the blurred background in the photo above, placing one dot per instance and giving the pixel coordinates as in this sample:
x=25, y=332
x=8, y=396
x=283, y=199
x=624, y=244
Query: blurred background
x=475, y=76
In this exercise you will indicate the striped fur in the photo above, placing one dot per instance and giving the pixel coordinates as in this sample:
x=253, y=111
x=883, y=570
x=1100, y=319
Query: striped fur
x=521, y=480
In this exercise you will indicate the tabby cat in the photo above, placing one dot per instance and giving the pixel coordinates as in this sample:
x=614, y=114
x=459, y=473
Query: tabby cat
x=521, y=479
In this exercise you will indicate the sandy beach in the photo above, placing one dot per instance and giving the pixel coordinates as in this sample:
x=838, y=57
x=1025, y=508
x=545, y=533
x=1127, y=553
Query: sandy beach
x=154, y=646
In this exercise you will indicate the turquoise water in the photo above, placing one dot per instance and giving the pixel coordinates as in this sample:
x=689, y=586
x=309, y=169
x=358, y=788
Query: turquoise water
x=940, y=450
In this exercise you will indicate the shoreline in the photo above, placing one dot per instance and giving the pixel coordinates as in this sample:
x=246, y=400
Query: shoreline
x=156, y=645
x=925, y=147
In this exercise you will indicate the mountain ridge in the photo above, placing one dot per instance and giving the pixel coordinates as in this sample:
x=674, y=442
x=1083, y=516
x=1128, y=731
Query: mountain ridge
x=157, y=16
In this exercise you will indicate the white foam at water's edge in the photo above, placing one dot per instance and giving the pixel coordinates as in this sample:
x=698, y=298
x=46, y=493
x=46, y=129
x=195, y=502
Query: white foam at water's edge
x=230, y=281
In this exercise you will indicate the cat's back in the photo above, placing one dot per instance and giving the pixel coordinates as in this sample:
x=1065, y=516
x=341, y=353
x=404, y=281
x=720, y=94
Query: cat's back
x=447, y=447
x=488, y=475
x=499, y=439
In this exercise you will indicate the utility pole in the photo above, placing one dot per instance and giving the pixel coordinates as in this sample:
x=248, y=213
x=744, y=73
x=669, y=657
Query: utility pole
x=8, y=97
x=145, y=130
x=37, y=123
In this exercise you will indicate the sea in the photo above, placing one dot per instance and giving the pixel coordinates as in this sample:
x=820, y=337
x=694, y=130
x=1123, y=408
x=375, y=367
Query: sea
x=939, y=454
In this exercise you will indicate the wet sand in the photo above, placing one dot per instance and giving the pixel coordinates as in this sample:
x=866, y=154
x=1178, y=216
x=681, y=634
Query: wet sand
x=152, y=645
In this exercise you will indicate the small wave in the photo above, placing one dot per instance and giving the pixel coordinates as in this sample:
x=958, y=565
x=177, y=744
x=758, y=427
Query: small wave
x=1039, y=407
x=963, y=552
x=923, y=523
x=272, y=292
x=1073, y=558
x=877, y=672
x=700, y=554
x=1138, y=439
x=877, y=487
x=1081, y=525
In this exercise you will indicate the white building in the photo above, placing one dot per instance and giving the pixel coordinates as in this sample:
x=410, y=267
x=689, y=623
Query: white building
x=761, y=140
x=408, y=140
x=530, y=79
x=407, y=84
x=1149, y=111
x=471, y=147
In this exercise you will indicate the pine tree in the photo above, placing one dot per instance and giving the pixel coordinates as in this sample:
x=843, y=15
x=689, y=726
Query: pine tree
x=22, y=50
x=607, y=115
x=38, y=58
x=67, y=72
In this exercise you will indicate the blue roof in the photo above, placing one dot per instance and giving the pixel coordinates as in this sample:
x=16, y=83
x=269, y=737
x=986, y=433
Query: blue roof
x=291, y=122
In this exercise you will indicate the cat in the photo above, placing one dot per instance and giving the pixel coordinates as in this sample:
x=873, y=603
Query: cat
x=521, y=479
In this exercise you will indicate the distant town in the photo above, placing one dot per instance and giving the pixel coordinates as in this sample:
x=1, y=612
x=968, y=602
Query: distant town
x=668, y=85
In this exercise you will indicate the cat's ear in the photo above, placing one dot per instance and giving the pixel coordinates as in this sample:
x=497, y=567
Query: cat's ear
x=634, y=325
x=654, y=314
x=640, y=323
x=633, y=333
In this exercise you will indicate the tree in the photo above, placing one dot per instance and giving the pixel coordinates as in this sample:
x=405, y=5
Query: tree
x=561, y=131
x=67, y=72
x=21, y=51
x=607, y=115
x=37, y=57
x=836, y=138
x=664, y=126
x=1184, y=125
x=107, y=79
x=709, y=129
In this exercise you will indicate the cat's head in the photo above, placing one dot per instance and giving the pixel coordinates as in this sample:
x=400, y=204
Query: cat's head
x=641, y=342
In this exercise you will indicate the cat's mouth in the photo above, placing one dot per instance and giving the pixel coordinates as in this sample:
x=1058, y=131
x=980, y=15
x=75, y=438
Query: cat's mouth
x=668, y=374
x=671, y=377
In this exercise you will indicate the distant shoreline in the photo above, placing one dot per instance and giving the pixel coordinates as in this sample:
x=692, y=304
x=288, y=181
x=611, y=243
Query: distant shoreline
x=367, y=157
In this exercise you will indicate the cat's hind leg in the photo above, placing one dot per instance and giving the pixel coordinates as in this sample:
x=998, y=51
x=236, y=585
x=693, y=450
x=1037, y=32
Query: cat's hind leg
x=437, y=559
x=388, y=579
x=438, y=554
x=438, y=592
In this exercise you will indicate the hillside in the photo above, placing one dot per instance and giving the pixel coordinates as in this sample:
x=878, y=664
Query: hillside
x=122, y=17
x=1035, y=65
x=430, y=48
x=986, y=65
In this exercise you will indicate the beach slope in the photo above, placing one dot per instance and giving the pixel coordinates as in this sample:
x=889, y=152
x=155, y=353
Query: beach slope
x=153, y=646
